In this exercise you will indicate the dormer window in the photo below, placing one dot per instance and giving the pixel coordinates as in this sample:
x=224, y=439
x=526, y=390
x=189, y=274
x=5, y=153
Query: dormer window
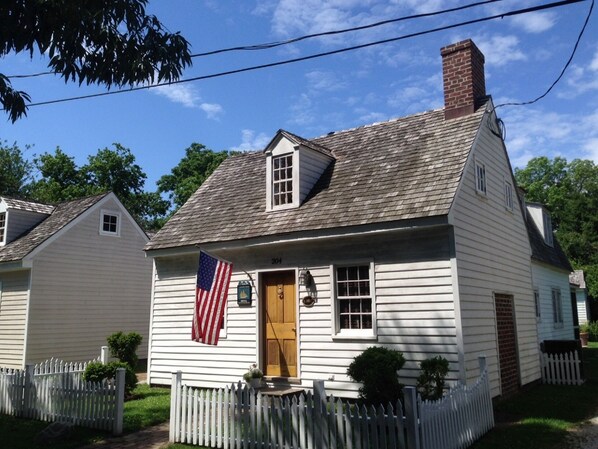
x=547, y=229
x=110, y=223
x=2, y=227
x=282, y=180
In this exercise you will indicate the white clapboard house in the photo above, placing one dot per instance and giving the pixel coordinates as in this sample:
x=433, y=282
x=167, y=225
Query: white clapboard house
x=550, y=274
x=406, y=234
x=70, y=275
x=579, y=293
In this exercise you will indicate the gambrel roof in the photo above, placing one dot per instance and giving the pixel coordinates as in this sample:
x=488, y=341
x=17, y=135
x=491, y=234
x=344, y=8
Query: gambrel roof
x=407, y=168
x=61, y=215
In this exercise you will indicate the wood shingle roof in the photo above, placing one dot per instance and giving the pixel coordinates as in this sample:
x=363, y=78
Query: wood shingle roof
x=406, y=168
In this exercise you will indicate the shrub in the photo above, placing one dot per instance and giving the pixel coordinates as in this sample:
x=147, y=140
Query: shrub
x=124, y=347
x=376, y=368
x=593, y=330
x=97, y=372
x=430, y=382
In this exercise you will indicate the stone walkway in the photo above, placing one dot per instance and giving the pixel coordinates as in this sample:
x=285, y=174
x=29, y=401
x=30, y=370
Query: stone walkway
x=155, y=437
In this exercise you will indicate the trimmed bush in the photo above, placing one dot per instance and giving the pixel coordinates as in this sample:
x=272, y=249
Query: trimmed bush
x=593, y=330
x=376, y=368
x=97, y=372
x=430, y=382
x=124, y=347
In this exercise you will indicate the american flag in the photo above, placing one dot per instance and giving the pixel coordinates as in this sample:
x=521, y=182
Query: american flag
x=213, y=279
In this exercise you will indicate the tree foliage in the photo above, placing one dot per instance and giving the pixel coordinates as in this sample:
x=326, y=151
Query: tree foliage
x=570, y=192
x=194, y=168
x=15, y=170
x=110, y=43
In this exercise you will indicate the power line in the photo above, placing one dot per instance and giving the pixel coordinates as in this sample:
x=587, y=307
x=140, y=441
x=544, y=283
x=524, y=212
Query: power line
x=317, y=55
x=583, y=28
x=269, y=45
x=346, y=30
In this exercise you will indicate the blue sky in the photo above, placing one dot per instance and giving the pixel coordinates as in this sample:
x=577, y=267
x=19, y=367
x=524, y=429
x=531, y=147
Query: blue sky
x=524, y=55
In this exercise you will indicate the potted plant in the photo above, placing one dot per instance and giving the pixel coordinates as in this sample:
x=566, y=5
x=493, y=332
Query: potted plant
x=253, y=376
x=584, y=334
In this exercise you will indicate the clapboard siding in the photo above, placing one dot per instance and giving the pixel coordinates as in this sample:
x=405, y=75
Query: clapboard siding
x=492, y=256
x=414, y=307
x=545, y=279
x=87, y=286
x=20, y=221
x=311, y=166
x=14, y=288
x=582, y=305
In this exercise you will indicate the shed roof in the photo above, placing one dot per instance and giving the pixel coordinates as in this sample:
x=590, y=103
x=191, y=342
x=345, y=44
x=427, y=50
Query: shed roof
x=62, y=214
x=406, y=168
x=552, y=255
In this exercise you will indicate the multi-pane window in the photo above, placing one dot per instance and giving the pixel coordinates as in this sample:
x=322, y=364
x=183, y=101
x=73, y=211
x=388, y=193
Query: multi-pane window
x=354, y=297
x=110, y=223
x=547, y=229
x=557, y=307
x=480, y=177
x=282, y=180
x=2, y=226
x=537, y=304
x=508, y=196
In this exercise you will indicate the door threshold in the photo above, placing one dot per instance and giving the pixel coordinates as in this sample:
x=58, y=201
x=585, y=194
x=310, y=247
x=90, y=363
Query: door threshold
x=279, y=381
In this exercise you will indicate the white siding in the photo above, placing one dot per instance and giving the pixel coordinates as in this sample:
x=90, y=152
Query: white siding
x=493, y=256
x=87, y=286
x=311, y=166
x=545, y=279
x=582, y=305
x=20, y=221
x=14, y=287
x=414, y=306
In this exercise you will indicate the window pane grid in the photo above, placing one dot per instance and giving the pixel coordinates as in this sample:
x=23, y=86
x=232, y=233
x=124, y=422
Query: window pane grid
x=282, y=180
x=109, y=223
x=2, y=225
x=354, y=300
x=480, y=177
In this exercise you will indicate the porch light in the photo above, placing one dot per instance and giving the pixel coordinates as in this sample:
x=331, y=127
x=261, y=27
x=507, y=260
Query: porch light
x=305, y=278
x=244, y=293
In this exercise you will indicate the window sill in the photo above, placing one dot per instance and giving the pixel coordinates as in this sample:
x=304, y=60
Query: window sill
x=366, y=337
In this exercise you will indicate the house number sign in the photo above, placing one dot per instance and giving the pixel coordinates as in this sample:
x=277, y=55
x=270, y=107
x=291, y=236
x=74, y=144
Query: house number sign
x=276, y=261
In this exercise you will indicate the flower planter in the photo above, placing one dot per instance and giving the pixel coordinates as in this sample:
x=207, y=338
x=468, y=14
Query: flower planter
x=256, y=382
x=584, y=337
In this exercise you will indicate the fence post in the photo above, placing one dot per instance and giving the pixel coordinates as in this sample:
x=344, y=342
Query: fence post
x=117, y=428
x=175, y=388
x=320, y=436
x=28, y=392
x=104, y=355
x=412, y=418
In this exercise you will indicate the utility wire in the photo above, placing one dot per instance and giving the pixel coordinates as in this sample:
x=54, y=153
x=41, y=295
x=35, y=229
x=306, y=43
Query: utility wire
x=269, y=45
x=346, y=30
x=583, y=28
x=317, y=55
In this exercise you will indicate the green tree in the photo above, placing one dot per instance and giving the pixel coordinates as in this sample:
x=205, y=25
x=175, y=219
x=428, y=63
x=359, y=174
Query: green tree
x=570, y=192
x=61, y=179
x=191, y=172
x=15, y=170
x=110, y=43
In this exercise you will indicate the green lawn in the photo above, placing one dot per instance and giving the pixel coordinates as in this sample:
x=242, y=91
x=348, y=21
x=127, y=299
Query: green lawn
x=542, y=415
x=150, y=406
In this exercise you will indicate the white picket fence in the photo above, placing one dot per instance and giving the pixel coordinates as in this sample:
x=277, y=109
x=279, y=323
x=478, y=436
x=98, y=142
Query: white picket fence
x=561, y=369
x=240, y=417
x=55, y=391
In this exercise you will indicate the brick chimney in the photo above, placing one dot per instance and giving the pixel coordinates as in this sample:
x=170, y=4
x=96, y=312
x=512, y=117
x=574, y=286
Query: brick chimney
x=463, y=77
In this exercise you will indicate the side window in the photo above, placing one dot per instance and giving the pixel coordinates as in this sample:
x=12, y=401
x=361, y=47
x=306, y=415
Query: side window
x=508, y=196
x=354, y=300
x=557, y=308
x=480, y=178
x=2, y=226
x=537, y=304
x=110, y=223
x=547, y=222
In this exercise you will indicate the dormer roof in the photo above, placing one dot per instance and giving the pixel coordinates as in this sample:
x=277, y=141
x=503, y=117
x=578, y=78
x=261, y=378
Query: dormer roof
x=297, y=140
x=552, y=255
x=30, y=206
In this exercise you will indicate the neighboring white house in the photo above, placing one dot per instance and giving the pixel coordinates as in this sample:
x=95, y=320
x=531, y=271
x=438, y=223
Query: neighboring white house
x=409, y=230
x=580, y=293
x=550, y=273
x=70, y=275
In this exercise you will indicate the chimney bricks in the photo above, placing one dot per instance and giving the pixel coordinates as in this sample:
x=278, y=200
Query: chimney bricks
x=463, y=77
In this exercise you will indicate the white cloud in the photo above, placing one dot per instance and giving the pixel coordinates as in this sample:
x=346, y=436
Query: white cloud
x=189, y=97
x=179, y=93
x=324, y=81
x=500, y=50
x=580, y=79
x=535, y=22
x=594, y=64
x=372, y=117
x=212, y=110
x=251, y=141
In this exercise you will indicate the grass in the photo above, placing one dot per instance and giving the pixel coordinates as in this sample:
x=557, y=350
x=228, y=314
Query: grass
x=150, y=406
x=543, y=415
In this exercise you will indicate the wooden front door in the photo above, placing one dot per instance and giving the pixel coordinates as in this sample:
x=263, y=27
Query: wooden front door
x=507, y=344
x=280, y=348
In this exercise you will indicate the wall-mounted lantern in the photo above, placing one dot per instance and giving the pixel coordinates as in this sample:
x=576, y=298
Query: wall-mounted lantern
x=244, y=293
x=305, y=278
